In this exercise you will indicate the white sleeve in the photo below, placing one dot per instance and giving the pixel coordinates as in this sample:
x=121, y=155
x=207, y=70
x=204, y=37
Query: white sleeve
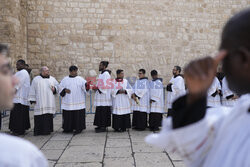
x=61, y=85
x=178, y=88
x=225, y=90
x=102, y=82
x=212, y=88
x=56, y=84
x=129, y=89
x=83, y=84
x=192, y=148
x=142, y=89
x=32, y=92
x=156, y=91
x=21, y=79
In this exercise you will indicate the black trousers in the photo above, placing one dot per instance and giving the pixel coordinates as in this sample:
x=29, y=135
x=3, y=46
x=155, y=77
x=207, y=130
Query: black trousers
x=155, y=120
x=139, y=120
x=43, y=124
x=121, y=121
x=74, y=120
x=102, y=116
x=19, y=119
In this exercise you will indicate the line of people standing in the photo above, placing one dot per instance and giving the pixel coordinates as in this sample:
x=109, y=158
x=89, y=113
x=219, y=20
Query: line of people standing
x=114, y=98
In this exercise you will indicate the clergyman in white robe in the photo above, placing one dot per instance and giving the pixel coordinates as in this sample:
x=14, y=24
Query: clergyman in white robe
x=103, y=102
x=229, y=98
x=142, y=107
x=19, y=115
x=157, y=104
x=121, y=108
x=74, y=102
x=44, y=97
x=175, y=89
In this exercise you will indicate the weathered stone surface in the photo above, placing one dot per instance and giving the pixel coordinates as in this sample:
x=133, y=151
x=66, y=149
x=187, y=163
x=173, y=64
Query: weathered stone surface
x=131, y=34
x=55, y=145
x=152, y=159
x=121, y=162
x=118, y=143
x=52, y=154
x=78, y=165
x=82, y=154
x=119, y=152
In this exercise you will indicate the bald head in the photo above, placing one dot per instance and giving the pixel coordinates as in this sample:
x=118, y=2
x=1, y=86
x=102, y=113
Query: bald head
x=44, y=71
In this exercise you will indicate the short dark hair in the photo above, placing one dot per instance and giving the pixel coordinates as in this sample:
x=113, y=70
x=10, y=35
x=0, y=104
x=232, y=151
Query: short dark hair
x=21, y=61
x=3, y=48
x=143, y=71
x=105, y=63
x=154, y=72
x=119, y=71
x=236, y=32
x=73, y=68
x=178, y=68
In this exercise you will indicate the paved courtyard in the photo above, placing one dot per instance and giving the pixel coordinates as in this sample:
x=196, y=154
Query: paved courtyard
x=90, y=149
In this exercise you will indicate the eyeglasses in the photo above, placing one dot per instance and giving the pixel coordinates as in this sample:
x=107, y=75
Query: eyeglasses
x=139, y=73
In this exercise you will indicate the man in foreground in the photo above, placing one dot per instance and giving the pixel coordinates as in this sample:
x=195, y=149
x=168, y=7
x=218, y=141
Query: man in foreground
x=14, y=151
x=216, y=137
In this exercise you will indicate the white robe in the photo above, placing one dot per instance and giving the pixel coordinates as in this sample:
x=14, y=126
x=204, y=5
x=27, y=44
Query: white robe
x=156, y=94
x=104, y=84
x=227, y=92
x=40, y=91
x=17, y=152
x=178, y=89
x=121, y=102
x=22, y=88
x=220, y=139
x=76, y=99
x=214, y=101
x=141, y=89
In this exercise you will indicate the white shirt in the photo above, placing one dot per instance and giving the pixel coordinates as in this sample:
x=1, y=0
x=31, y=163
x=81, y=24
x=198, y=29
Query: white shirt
x=17, y=152
x=104, y=84
x=121, y=102
x=178, y=89
x=141, y=89
x=75, y=100
x=156, y=94
x=221, y=139
x=40, y=91
x=22, y=88
x=214, y=101
x=227, y=92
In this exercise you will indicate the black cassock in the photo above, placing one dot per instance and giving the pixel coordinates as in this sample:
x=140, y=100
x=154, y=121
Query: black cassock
x=19, y=119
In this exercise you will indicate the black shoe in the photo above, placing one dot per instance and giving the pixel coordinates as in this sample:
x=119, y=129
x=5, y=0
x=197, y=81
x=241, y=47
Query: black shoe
x=97, y=128
x=67, y=131
x=76, y=132
x=102, y=129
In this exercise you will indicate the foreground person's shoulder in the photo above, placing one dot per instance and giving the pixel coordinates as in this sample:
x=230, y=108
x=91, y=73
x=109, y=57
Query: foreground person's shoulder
x=16, y=151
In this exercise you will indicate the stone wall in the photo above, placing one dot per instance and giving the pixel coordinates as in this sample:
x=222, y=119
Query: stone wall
x=13, y=28
x=131, y=34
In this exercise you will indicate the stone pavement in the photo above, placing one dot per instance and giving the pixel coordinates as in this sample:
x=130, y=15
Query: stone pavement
x=90, y=149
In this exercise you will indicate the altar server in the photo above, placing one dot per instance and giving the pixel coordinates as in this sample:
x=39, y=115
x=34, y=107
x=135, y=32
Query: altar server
x=175, y=88
x=156, y=101
x=121, y=108
x=42, y=92
x=140, y=102
x=19, y=115
x=73, y=89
